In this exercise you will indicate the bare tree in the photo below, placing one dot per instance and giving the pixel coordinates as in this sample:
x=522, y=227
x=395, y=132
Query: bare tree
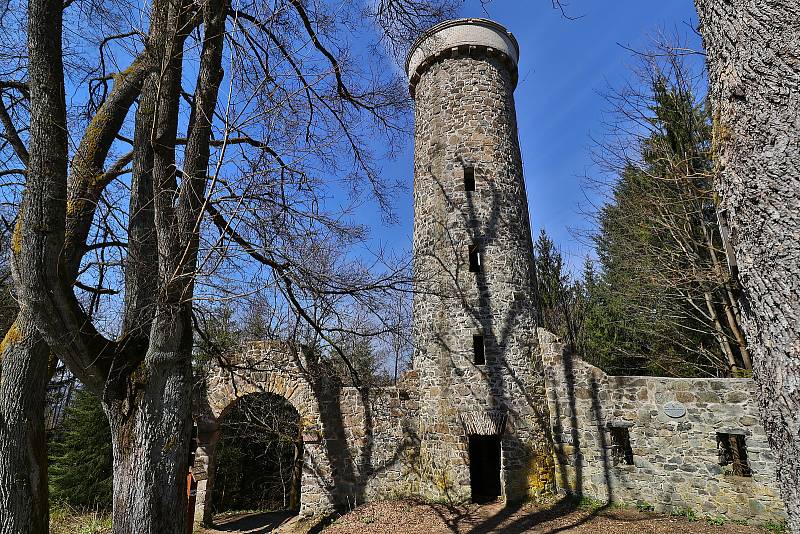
x=659, y=240
x=752, y=50
x=238, y=201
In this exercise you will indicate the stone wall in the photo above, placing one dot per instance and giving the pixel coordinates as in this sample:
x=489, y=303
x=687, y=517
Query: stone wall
x=676, y=462
x=362, y=445
x=357, y=444
x=381, y=436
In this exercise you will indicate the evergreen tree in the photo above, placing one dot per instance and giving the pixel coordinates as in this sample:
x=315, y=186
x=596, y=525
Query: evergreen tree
x=667, y=299
x=80, y=469
x=558, y=297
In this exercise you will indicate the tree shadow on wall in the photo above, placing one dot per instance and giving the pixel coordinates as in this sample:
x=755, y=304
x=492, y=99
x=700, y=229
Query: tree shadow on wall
x=509, y=322
x=572, y=454
x=347, y=459
x=350, y=474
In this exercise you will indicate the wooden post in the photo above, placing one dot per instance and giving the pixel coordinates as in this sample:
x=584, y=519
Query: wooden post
x=191, y=483
x=191, y=492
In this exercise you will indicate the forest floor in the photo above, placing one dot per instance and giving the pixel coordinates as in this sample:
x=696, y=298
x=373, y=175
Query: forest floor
x=408, y=517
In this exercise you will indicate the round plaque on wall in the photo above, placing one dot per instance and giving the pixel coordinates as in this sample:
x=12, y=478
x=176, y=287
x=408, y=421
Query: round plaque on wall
x=674, y=409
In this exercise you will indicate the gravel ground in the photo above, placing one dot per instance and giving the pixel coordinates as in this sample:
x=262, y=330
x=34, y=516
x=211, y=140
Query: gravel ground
x=405, y=517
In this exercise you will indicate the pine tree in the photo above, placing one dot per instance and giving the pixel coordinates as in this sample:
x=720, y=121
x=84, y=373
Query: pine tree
x=558, y=297
x=667, y=295
x=80, y=468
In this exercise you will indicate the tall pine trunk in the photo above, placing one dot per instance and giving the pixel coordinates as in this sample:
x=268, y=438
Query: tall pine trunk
x=23, y=451
x=753, y=52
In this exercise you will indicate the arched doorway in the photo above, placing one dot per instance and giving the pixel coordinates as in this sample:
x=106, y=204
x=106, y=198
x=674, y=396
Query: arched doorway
x=259, y=456
x=278, y=370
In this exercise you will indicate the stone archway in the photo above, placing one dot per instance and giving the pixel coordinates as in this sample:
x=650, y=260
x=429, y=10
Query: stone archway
x=278, y=368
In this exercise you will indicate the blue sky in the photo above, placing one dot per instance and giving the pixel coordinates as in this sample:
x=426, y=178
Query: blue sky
x=565, y=66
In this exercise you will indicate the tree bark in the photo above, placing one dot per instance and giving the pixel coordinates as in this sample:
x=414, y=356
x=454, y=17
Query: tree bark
x=150, y=429
x=149, y=414
x=754, y=66
x=37, y=238
x=23, y=451
x=154, y=414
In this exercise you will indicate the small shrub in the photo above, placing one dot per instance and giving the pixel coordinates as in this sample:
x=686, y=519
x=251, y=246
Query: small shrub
x=588, y=503
x=718, y=520
x=686, y=513
x=644, y=506
x=778, y=527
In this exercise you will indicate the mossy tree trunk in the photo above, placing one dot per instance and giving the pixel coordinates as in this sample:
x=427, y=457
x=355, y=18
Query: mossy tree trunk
x=145, y=377
x=150, y=430
x=754, y=65
x=23, y=454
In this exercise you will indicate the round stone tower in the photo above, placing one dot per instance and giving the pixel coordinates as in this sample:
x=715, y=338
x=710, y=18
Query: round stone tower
x=483, y=412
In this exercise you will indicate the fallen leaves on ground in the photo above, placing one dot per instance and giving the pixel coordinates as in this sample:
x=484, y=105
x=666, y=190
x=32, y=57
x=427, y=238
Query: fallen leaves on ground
x=408, y=517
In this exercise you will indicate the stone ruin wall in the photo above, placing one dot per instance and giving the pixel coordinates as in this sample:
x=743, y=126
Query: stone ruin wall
x=359, y=448
x=355, y=447
x=676, y=464
x=382, y=441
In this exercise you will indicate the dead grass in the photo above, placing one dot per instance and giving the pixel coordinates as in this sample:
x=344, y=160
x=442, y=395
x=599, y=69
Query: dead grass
x=66, y=520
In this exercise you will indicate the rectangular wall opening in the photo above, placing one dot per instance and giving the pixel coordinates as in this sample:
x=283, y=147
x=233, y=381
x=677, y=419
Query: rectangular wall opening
x=732, y=451
x=469, y=179
x=478, y=350
x=475, y=260
x=621, y=452
x=484, y=468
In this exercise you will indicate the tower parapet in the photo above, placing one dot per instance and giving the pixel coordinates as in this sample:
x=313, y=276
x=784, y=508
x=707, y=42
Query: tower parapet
x=483, y=413
x=472, y=37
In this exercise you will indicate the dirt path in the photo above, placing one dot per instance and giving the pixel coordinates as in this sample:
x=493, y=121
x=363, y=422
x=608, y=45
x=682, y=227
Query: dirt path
x=413, y=518
x=408, y=517
x=259, y=523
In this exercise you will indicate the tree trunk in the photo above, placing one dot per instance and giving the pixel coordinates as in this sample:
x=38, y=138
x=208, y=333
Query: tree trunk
x=719, y=333
x=728, y=301
x=23, y=450
x=150, y=430
x=754, y=65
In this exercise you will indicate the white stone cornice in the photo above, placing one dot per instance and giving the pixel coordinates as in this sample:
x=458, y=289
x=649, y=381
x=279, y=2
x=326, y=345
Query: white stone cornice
x=467, y=36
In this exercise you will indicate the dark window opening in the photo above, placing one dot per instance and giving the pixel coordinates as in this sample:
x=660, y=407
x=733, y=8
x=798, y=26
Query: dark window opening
x=733, y=451
x=475, y=263
x=479, y=350
x=469, y=179
x=621, y=452
x=484, y=468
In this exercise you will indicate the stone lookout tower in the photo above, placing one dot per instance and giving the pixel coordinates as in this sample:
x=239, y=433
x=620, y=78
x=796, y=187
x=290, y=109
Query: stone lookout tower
x=483, y=410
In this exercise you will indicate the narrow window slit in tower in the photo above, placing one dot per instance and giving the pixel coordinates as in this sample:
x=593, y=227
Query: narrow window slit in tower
x=475, y=260
x=469, y=179
x=733, y=451
x=478, y=350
